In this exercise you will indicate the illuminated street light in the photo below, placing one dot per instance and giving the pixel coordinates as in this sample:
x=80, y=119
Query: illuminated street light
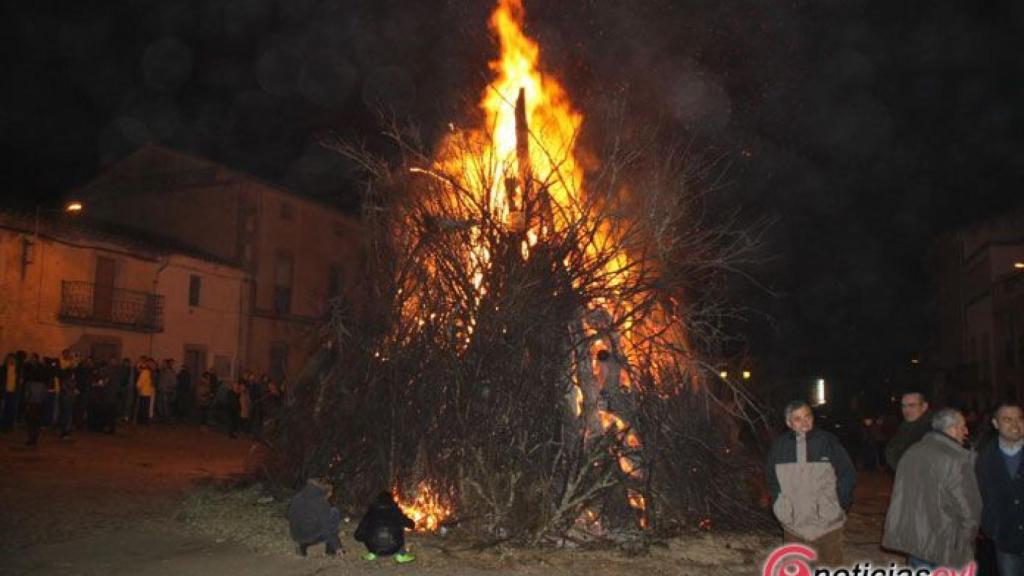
x=819, y=392
x=746, y=374
x=723, y=374
x=1018, y=265
x=71, y=208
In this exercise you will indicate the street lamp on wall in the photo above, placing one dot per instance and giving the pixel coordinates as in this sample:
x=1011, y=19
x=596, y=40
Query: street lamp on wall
x=70, y=208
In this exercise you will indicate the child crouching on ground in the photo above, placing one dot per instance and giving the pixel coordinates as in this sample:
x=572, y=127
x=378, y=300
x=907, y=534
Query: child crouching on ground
x=312, y=519
x=382, y=530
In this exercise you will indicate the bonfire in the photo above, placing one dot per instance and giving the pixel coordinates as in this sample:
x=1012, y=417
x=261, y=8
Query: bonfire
x=527, y=360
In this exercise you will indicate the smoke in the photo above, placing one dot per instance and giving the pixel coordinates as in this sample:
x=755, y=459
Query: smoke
x=278, y=69
x=847, y=121
x=391, y=88
x=166, y=64
x=695, y=98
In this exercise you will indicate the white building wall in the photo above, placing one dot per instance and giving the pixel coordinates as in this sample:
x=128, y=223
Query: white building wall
x=30, y=303
x=212, y=325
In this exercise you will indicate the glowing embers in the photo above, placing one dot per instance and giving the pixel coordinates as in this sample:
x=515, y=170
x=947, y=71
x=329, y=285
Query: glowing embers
x=629, y=462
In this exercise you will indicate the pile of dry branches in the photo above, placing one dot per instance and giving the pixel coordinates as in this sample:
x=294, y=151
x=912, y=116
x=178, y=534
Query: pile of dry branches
x=466, y=360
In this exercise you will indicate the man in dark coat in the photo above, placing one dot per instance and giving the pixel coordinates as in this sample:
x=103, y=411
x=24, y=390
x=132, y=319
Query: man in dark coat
x=312, y=519
x=68, y=391
x=917, y=422
x=35, y=395
x=183, y=394
x=1002, y=489
x=109, y=397
x=84, y=373
x=96, y=417
x=126, y=390
x=382, y=529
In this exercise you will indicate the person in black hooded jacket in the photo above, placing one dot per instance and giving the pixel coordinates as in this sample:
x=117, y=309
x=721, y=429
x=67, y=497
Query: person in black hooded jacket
x=382, y=529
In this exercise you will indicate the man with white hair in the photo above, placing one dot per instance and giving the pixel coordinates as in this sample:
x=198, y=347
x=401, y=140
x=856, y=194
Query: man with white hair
x=1002, y=489
x=811, y=478
x=936, y=506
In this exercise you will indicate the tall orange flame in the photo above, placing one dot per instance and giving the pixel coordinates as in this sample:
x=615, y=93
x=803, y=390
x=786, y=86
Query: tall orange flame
x=550, y=162
x=553, y=121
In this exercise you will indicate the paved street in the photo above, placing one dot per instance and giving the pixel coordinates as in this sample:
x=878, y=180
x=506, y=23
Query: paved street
x=113, y=505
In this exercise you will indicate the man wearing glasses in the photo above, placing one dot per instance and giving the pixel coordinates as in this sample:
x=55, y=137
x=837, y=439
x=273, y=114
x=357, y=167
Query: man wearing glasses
x=917, y=421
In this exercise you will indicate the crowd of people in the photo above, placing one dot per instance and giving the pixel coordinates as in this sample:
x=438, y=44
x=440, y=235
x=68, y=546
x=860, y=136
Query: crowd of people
x=951, y=500
x=948, y=494
x=74, y=392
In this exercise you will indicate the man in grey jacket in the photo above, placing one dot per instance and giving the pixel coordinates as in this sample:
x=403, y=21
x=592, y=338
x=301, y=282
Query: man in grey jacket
x=811, y=478
x=312, y=519
x=936, y=506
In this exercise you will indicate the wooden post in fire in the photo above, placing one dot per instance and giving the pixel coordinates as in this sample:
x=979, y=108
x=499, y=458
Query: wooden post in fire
x=523, y=162
x=537, y=213
x=523, y=155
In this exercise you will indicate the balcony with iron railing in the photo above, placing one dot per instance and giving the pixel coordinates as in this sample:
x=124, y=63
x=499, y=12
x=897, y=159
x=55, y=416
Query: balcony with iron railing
x=98, y=305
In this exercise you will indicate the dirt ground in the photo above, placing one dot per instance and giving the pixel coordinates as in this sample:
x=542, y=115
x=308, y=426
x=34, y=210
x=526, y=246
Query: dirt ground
x=151, y=501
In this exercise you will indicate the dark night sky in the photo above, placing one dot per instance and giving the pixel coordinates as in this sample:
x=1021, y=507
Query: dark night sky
x=865, y=128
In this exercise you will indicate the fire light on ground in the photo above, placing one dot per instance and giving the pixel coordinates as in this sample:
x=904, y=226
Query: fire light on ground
x=427, y=508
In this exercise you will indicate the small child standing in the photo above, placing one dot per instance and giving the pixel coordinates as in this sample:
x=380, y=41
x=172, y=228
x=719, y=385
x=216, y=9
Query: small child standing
x=382, y=530
x=312, y=519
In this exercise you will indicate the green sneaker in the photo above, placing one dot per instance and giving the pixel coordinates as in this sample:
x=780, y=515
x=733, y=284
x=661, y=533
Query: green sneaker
x=404, y=557
x=369, y=556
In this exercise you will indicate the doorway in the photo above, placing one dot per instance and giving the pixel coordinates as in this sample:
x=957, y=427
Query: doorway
x=195, y=360
x=103, y=288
